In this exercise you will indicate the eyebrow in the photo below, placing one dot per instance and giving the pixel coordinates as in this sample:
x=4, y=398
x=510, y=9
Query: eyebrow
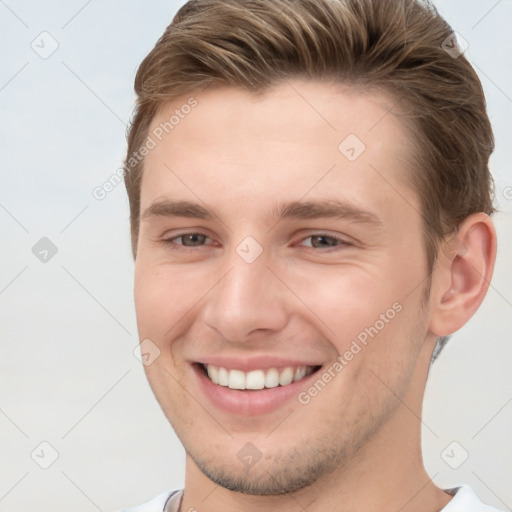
x=327, y=209
x=330, y=208
x=167, y=208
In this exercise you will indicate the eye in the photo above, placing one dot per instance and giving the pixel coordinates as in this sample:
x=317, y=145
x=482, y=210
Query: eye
x=324, y=241
x=187, y=240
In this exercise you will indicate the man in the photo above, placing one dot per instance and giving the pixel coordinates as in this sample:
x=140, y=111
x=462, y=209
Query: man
x=310, y=201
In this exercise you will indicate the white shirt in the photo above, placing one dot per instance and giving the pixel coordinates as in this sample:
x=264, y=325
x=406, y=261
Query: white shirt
x=464, y=500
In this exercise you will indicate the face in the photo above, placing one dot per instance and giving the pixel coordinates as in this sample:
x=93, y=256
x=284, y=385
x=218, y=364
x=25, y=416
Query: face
x=279, y=273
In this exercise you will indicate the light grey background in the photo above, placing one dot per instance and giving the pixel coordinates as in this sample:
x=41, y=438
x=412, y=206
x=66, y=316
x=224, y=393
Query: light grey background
x=68, y=374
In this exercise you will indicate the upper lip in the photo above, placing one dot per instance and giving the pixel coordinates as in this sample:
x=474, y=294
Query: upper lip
x=255, y=362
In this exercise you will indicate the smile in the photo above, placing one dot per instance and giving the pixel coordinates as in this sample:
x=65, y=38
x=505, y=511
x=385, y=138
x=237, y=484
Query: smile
x=256, y=379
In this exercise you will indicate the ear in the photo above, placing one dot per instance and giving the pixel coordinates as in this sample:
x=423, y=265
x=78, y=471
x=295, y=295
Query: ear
x=462, y=275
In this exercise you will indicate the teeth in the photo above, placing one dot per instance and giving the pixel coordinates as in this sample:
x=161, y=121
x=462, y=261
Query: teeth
x=286, y=376
x=213, y=373
x=223, y=377
x=256, y=379
x=272, y=378
x=300, y=373
x=236, y=379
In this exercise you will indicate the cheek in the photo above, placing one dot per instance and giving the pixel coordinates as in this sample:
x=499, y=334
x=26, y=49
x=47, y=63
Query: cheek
x=346, y=299
x=164, y=298
x=367, y=312
x=161, y=300
x=150, y=297
x=377, y=340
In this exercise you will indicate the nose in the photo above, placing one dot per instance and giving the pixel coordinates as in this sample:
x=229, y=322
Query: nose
x=248, y=300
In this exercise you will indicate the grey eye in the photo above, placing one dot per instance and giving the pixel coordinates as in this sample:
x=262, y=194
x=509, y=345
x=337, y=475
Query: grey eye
x=192, y=239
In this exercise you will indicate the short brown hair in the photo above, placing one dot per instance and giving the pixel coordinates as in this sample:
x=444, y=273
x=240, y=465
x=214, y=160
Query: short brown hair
x=399, y=47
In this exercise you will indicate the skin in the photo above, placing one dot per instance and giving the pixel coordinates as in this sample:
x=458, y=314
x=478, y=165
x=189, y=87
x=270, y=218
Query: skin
x=356, y=444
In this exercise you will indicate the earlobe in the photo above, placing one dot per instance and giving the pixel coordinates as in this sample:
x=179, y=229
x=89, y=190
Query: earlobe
x=463, y=273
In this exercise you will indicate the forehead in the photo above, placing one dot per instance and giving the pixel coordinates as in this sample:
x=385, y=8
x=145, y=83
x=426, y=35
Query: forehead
x=299, y=138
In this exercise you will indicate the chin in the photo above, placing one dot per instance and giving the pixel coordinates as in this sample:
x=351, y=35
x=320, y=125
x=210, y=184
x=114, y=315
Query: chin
x=281, y=473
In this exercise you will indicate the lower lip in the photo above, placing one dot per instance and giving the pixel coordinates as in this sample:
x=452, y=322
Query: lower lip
x=249, y=402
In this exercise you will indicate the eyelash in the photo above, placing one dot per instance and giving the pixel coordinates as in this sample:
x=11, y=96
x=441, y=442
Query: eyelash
x=170, y=242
